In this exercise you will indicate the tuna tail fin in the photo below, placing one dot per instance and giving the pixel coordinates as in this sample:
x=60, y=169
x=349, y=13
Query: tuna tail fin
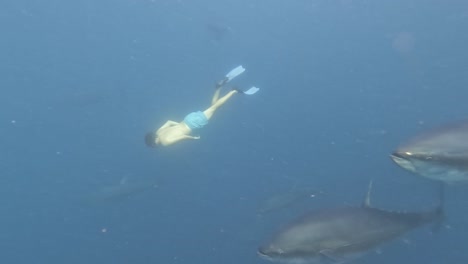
x=439, y=211
x=367, y=202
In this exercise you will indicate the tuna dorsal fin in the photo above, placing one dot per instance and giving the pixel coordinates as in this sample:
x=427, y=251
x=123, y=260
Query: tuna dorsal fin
x=367, y=202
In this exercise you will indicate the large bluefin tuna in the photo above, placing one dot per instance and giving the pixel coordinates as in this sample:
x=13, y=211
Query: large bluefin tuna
x=341, y=234
x=440, y=154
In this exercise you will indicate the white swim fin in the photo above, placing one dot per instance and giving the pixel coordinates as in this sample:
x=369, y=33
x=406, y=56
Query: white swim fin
x=234, y=73
x=252, y=90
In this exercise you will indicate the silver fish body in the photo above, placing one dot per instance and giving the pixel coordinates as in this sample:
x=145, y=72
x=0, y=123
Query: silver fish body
x=341, y=234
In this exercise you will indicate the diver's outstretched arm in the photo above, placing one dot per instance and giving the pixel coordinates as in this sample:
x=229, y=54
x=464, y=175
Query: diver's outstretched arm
x=181, y=137
x=167, y=124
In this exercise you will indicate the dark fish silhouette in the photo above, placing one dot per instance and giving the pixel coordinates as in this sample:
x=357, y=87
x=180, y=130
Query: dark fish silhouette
x=119, y=192
x=341, y=234
x=218, y=31
x=440, y=154
x=286, y=199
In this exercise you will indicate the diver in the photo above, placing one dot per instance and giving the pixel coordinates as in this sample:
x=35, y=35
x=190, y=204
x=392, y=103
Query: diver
x=172, y=132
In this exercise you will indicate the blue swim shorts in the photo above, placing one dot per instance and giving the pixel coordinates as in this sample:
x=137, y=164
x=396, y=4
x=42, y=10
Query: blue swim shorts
x=196, y=120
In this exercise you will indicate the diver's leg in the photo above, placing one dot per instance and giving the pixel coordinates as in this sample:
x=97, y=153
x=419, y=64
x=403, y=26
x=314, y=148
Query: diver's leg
x=215, y=96
x=210, y=111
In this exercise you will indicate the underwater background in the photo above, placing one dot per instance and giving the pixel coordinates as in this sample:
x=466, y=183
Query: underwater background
x=343, y=83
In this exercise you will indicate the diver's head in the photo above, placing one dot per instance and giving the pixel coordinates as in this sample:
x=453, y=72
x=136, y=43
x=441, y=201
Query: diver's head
x=150, y=139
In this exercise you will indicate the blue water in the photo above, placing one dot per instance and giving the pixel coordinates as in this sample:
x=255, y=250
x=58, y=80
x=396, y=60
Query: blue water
x=342, y=84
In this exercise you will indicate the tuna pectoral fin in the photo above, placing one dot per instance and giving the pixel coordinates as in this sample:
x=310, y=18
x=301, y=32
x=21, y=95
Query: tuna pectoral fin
x=367, y=202
x=328, y=256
